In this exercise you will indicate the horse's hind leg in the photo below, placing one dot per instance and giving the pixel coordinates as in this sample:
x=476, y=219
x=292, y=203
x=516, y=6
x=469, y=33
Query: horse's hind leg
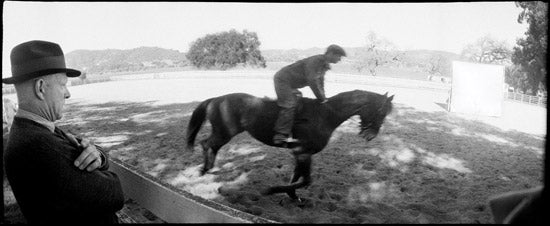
x=210, y=148
x=225, y=125
x=302, y=169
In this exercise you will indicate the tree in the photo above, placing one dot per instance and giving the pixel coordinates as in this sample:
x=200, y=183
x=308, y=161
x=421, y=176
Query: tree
x=225, y=50
x=531, y=50
x=378, y=52
x=435, y=65
x=487, y=50
x=83, y=76
x=516, y=78
x=438, y=65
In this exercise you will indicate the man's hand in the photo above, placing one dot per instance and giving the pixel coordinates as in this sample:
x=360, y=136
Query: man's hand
x=297, y=93
x=90, y=158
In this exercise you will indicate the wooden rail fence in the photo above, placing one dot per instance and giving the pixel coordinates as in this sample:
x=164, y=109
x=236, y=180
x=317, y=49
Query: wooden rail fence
x=535, y=100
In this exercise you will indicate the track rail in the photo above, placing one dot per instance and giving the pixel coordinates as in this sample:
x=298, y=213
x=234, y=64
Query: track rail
x=174, y=205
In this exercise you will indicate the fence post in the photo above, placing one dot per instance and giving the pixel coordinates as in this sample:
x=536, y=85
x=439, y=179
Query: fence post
x=521, y=97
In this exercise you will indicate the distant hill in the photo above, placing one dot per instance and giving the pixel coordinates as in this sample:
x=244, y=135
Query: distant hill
x=425, y=55
x=152, y=58
x=115, y=60
x=278, y=55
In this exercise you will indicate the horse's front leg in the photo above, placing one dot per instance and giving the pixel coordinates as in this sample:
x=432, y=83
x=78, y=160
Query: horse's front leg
x=298, y=171
x=295, y=177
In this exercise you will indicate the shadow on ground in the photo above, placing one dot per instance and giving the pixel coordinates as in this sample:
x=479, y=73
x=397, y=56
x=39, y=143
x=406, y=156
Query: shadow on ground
x=424, y=167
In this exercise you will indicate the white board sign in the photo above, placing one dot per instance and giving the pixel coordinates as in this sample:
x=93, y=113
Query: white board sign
x=477, y=89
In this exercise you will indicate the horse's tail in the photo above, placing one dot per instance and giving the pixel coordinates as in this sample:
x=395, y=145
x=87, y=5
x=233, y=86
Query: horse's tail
x=195, y=123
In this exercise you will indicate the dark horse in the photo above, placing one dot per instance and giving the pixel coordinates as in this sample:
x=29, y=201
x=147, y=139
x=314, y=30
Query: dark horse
x=234, y=113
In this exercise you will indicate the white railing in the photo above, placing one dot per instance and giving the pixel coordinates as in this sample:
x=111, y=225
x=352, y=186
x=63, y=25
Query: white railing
x=535, y=100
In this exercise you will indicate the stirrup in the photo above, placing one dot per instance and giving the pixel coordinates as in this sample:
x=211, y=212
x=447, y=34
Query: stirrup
x=288, y=141
x=292, y=140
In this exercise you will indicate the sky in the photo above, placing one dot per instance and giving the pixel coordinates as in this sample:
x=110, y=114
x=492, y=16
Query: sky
x=175, y=25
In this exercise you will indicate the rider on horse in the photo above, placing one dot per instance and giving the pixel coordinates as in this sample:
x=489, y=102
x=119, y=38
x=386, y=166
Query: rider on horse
x=306, y=72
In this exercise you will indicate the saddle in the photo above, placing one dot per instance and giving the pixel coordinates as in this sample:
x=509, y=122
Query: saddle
x=299, y=104
x=298, y=111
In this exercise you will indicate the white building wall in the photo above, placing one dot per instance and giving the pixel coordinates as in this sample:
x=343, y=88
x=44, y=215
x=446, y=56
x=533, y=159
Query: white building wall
x=477, y=89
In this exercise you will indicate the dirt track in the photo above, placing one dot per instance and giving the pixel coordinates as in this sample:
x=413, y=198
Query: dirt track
x=426, y=166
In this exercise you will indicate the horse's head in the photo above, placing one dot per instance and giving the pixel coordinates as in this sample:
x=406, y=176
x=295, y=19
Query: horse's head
x=372, y=114
x=371, y=107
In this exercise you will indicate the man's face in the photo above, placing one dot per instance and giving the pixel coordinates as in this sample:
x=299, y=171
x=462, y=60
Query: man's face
x=55, y=94
x=334, y=58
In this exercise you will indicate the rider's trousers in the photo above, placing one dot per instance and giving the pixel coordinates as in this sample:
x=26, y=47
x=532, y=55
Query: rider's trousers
x=287, y=100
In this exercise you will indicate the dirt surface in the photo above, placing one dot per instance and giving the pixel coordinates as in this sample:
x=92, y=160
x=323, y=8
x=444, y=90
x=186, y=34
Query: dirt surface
x=426, y=166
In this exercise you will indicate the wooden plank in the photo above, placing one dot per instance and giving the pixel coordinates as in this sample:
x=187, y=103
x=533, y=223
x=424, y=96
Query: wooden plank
x=125, y=218
x=174, y=205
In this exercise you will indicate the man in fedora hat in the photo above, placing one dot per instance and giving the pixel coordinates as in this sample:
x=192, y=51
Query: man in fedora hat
x=55, y=176
x=306, y=72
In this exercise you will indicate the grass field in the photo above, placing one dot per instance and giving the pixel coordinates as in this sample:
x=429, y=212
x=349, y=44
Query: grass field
x=426, y=166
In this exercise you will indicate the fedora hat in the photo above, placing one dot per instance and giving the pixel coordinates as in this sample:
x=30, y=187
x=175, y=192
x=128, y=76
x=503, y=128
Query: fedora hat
x=37, y=58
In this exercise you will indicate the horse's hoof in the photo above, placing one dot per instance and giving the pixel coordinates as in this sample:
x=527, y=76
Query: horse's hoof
x=285, y=202
x=299, y=202
x=304, y=203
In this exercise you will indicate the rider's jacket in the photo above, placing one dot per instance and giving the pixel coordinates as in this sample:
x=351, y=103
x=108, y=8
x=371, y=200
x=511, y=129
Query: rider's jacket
x=306, y=72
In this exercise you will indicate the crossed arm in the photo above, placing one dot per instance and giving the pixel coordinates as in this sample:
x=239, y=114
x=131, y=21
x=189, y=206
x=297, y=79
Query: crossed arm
x=95, y=190
x=92, y=156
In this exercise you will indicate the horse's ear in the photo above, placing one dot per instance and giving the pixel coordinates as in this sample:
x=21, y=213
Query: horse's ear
x=389, y=98
x=386, y=94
